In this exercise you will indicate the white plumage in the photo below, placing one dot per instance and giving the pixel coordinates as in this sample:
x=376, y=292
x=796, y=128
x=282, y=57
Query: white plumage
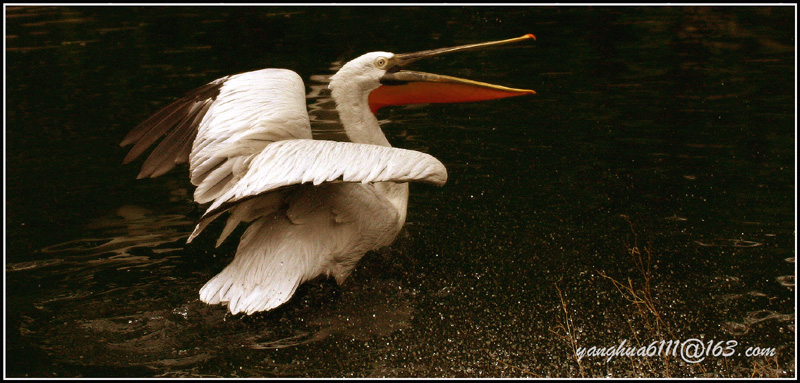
x=252, y=110
x=292, y=162
x=314, y=207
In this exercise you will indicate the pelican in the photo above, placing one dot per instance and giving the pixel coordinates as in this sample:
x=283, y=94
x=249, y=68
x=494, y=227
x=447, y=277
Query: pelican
x=313, y=206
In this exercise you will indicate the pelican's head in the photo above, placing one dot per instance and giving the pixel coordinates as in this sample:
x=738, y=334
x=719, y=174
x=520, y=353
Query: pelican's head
x=379, y=76
x=363, y=73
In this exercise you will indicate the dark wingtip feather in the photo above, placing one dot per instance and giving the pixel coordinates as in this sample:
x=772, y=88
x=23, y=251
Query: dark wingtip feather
x=182, y=115
x=130, y=156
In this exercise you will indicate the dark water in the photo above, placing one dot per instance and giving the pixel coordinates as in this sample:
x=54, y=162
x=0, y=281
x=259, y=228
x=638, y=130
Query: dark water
x=659, y=153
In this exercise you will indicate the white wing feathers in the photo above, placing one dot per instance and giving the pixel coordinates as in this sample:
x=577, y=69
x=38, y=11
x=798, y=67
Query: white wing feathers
x=294, y=162
x=249, y=134
x=276, y=253
x=252, y=110
x=219, y=126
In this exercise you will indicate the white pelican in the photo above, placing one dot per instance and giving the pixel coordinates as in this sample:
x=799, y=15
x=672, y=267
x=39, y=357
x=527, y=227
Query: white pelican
x=315, y=207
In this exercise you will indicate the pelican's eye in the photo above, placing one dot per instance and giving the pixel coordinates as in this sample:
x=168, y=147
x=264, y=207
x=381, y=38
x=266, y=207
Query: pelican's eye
x=381, y=62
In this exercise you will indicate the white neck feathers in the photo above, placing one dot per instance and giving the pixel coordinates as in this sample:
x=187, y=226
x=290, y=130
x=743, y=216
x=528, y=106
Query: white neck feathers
x=350, y=88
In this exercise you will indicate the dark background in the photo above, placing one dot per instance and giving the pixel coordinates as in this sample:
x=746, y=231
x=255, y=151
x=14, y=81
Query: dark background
x=659, y=134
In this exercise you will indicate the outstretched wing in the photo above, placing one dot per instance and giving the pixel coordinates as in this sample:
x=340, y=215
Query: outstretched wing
x=219, y=126
x=293, y=162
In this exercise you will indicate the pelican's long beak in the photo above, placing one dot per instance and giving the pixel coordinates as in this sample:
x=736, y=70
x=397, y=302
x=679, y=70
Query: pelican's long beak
x=400, y=87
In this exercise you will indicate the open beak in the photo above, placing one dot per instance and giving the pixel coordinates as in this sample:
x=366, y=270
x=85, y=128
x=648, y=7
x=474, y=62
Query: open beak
x=400, y=87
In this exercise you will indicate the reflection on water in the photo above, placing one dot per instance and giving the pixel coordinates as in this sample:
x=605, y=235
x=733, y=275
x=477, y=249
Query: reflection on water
x=75, y=270
x=325, y=123
x=754, y=317
x=77, y=263
x=727, y=242
x=135, y=226
x=669, y=129
x=129, y=301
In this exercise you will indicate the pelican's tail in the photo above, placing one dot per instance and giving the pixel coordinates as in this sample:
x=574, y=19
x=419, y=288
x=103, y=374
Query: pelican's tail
x=261, y=277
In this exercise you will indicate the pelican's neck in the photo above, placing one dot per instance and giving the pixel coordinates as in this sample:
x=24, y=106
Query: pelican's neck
x=360, y=124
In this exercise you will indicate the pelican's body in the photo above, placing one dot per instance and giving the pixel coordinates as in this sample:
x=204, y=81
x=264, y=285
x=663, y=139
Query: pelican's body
x=315, y=207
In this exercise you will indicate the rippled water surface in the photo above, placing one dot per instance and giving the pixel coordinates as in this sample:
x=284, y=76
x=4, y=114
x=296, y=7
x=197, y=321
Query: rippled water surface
x=646, y=193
